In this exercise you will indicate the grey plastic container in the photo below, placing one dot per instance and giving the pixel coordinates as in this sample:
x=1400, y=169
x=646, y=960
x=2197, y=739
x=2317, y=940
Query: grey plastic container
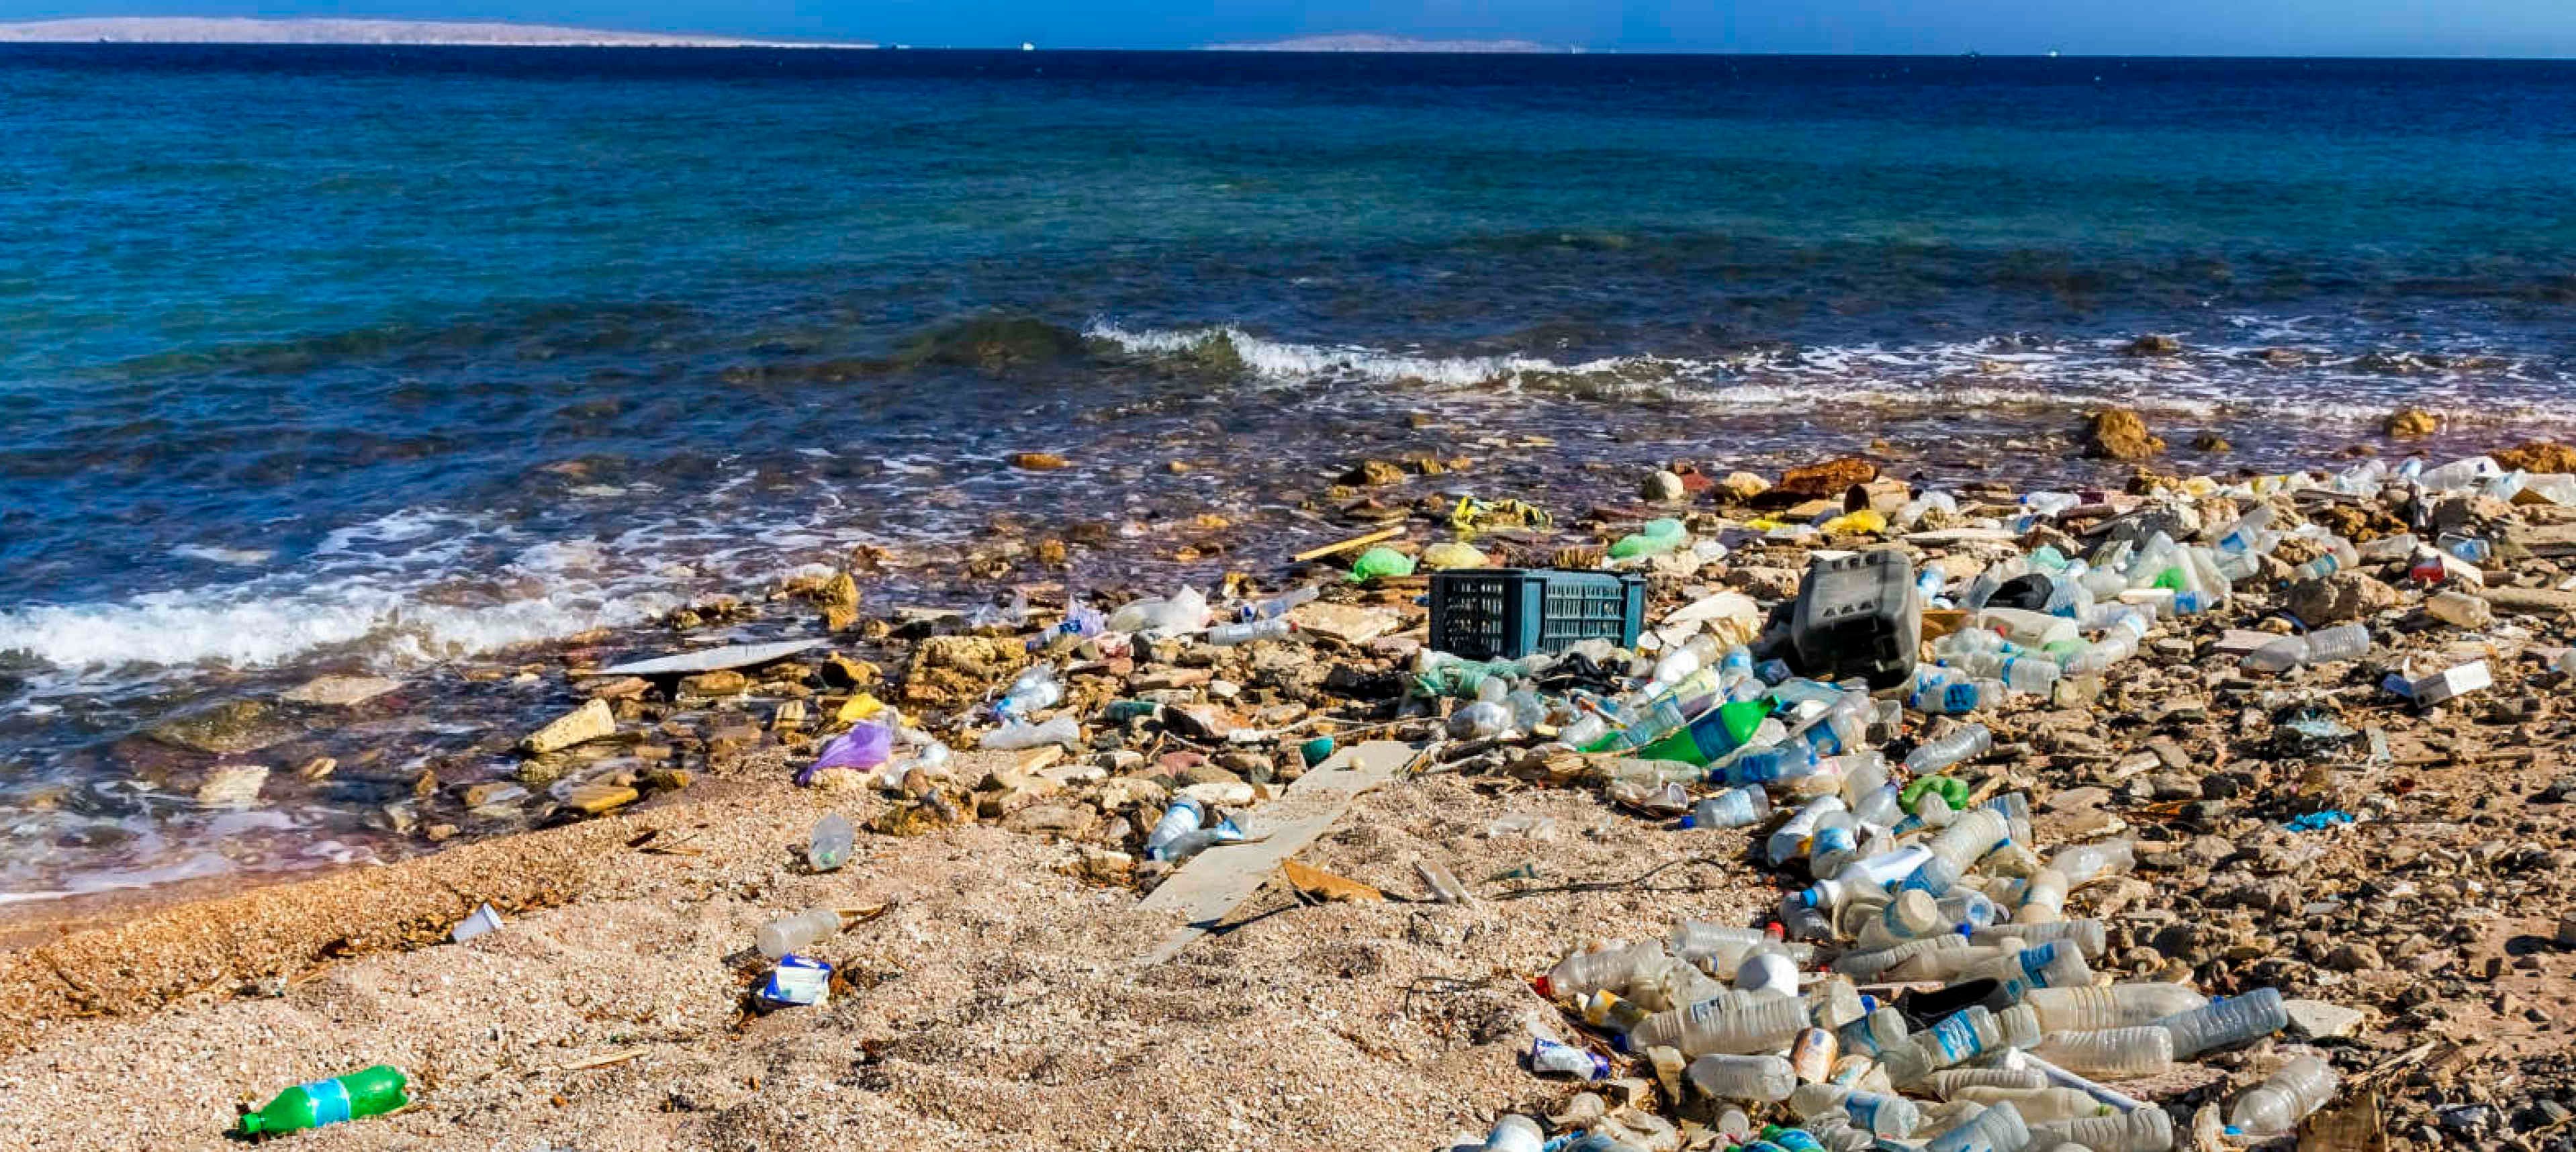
x=1857, y=616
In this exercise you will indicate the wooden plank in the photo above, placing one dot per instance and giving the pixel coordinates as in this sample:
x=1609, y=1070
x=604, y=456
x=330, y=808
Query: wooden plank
x=1217, y=881
x=1347, y=545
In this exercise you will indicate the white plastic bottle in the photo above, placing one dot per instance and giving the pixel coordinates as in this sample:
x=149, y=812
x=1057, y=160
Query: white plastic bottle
x=2285, y=1097
x=2109, y=1053
x=2221, y=1023
x=1768, y=1079
x=1790, y=841
x=789, y=934
x=1877, y=1112
x=2087, y=935
x=1610, y=968
x=1716, y=1026
x=2145, y=1129
x=1996, y=1129
x=2110, y=1006
x=2037, y=1105
x=1965, y=744
x=1950, y=1083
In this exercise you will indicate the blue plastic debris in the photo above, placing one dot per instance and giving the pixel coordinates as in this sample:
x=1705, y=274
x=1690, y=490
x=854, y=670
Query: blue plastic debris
x=2320, y=821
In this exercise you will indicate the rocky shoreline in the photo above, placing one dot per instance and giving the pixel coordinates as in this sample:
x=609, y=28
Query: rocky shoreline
x=2401, y=867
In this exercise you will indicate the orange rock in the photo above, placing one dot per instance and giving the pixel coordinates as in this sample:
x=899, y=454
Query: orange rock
x=1040, y=461
x=2538, y=456
x=2121, y=434
x=1831, y=478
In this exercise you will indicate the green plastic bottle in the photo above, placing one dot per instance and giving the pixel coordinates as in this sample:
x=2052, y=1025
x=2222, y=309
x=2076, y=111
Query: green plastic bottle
x=1715, y=733
x=369, y=1092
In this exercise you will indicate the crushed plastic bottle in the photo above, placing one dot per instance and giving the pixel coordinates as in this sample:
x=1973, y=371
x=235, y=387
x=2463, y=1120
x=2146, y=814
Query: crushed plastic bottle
x=1020, y=734
x=798, y=933
x=2324, y=646
x=829, y=846
x=2222, y=1023
x=2284, y=1098
x=1958, y=747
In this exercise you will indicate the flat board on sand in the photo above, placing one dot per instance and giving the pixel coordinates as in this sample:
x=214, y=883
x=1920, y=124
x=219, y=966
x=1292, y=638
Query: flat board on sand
x=1217, y=881
x=711, y=659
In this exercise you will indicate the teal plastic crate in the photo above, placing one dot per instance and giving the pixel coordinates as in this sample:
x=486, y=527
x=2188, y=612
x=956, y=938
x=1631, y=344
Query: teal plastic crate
x=1507, y=613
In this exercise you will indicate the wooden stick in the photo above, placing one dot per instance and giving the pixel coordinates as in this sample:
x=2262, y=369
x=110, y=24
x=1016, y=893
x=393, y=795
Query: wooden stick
x=588, y=1062
x=1347, y=545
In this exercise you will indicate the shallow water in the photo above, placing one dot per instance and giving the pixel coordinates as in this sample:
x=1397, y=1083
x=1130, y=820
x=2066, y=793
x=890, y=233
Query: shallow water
x=343, y=359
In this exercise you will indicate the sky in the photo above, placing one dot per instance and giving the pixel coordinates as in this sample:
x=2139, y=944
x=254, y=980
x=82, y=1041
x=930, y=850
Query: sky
x=2103, y=27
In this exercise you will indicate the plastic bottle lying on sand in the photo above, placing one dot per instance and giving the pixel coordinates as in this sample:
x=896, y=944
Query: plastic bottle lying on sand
x=2323, y=646
x=1728, y=1077
x=829, y=846
x=1020, y=735
x=2110, y=1006
x=1934, y=755
x=797, y=933
x=2109, y=1053
x=1717, y=1026
x=2284, y=1098
x=2145, y=1129
x=1514, y=1133
x=2221, y=1023
x=1609, y=968
x=1733, y=808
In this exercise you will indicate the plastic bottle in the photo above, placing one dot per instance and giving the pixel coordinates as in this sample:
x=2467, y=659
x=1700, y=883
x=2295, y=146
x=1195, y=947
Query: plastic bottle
x=2285, y=1097
x=1764, y=1078
x=797, y=933
x=2087, y=935
x=1482, y=720
x=1018, y=735
x=2086, y=863
x=1733, y=808
x=1609, y=968
x=1949, y=1083
x=1789, y=841
x=2145, y=1129
x=1934, y=755
x=1718, y=1026
x=1996, y=1129
x=1035, y=690
x=2125, y=1005
x=1877, y=1112
x=2109, y=1053
x=1766, y=974
x=829, y=846
x=2221, y=1023
x=2037, y=1105
x=366, y=1092
x=1868, y=965
x=1180, y=819
x=1514, y=1133
x=1278, y=606
x=1974, y=1031
x=1228, y=635
x=2324, y=646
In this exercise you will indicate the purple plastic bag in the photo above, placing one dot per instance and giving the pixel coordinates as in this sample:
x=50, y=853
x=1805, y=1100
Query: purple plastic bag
x=862, y=748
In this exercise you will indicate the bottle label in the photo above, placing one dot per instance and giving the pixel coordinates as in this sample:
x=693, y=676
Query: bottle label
x=1957, y=1040
x=1959, y=698
x=330, y=1101
x=1862, y=1107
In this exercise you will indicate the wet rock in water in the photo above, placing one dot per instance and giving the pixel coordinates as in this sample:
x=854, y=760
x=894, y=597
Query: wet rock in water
x=1830, y=478
x=2410, y=424
x=1663, y=487
x=1372, y=473
x=597, y=798
x=589, y=722
x=2340, y=597
x=2538, y=456
x=723, y=683
x=1039, y=461
x=621, y=688
x=1742, y=486
x=339, y=691
x=235, y=786
x=2153, y=344
x=2211, y=442
x=228, y=729
x=2121, y=434
x=994, y=344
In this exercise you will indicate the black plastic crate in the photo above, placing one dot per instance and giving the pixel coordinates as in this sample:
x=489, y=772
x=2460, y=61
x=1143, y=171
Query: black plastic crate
x=1507, y=613
x=1858, y=616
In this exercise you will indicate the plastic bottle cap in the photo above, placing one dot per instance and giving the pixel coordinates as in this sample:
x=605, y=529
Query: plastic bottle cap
x=1689, y=823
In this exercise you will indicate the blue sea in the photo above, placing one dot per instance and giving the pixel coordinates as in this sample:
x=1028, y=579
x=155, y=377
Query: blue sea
x=401, y=360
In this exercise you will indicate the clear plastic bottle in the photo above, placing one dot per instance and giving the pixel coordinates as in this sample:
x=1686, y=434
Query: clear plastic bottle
x=1874, y=1033
x=2285, y=1097
x=2056, y=964
x=1789, y=841
x=1974, y=1031
x=1716, y=1026
x=1183, y=817
x=1610, y=968
x=2086, y=863
x=1018, y=735
x=829, y=846
x=1271, y=628
x=2145, y=1129
x=1768, y=1079
x=2323, y=646
x=2088, y=935
x=1733, y=808
x=1934, y=755
x=2109, y=1053
x=1877, y=1112
x=1868, y=965
x=1996, y=1129
x=1766, y=973
x=1514, y=1133
x=2043, y=899
x=2221, y=1023
x=1949, y=1083
x=1277, y=606
x=2126, y=1005
x=2038, y=1104
x=797, y=933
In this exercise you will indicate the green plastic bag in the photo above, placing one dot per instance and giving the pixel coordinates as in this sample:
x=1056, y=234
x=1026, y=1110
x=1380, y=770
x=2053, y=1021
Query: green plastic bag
x=1380, y=561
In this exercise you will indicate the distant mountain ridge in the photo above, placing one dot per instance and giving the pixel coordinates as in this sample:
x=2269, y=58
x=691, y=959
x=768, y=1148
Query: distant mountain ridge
x=1370, y=42
x=231, y=30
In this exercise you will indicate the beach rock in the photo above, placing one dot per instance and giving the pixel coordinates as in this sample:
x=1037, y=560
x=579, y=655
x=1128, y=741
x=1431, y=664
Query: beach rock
x=339, y=691
x=621, y=688
x=234, y=786
x=2120, y=434
x=597, y=798
x=2410, y=424
x=2340, y=597
x=1830, y=478
x=228, y=729
x=1039, y=461
x=2153, y=344
x=1742, y=486
x=723, y=683
x=589, y=722
x=2211, y=442
x=1663, y=487
x=2538, y=456
x=2318, y=1020
x=2355, y=957
x=1372, y=473
x=1205, y=722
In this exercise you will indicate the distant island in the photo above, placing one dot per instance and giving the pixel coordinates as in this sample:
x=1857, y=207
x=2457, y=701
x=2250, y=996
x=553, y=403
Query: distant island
x=1366, y=42
x=196, y=30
